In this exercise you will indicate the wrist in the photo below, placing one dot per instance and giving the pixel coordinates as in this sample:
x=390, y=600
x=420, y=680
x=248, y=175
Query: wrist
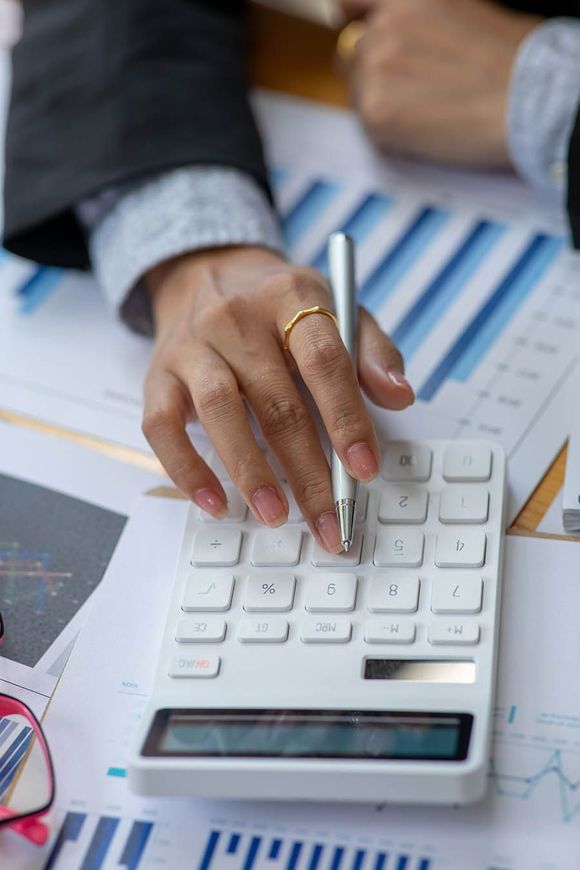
x=169, y=283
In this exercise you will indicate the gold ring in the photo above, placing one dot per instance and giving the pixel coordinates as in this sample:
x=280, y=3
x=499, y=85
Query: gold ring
x=318, y=309
x=347, y=40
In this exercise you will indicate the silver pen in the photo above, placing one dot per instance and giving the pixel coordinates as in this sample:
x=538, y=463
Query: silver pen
x=342, y=282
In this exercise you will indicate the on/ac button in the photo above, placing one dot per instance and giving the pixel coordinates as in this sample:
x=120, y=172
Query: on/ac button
x=194, y=666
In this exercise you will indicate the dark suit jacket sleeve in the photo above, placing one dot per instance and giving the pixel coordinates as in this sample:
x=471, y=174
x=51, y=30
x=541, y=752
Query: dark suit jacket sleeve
x=108, y=90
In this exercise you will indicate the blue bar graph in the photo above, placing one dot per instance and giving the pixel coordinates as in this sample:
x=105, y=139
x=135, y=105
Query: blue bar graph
x=135, y=845
x=13, y=756
x=275, y=849
x=252, y=853
x=37, y=288
x=6, y=729
x=470, y=347
x=69, y=833
x=119, y=772
x=359, y=224
x=512, y=714
x=307, y=209
x=100, y=842
x=233, y=844
x=440, y=293
x=402, y=256
x=254, y=849
x=294, y=856
x=315, y=856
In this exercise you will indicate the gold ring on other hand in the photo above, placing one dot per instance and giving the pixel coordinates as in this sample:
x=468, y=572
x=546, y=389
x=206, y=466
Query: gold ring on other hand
x=304, y=312
x=348, y=39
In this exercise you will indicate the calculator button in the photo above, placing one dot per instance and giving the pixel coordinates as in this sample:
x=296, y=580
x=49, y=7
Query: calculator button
x=467, y=461
x=447, y=632
x=394, y=594
x=464, y=505
x=213, y=546
x=322, y=559
x=265, y=630
x=294, y=512
x=404, y=460
x=200, y=630
x=383, y=631
x=237, y=509
x=331, y=592
x=273, y=547
x=194, y=666
x=268, y=592
x=362, y=500
x=325, y=630
x=399, y=547
x=460, y=549
x=403, y=504
x=217, y=466
x=456, y=594
x=208, y=591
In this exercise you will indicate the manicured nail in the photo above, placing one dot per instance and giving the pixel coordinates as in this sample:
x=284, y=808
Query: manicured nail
x=327, y=528
x=211, y=502
x=398, y=379
x=362, y=461
x=269, y=506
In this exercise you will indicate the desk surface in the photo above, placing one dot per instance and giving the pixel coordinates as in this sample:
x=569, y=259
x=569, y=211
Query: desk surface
x=297, y=57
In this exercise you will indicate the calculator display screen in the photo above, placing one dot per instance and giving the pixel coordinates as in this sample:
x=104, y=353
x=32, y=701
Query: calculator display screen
x=309, y=734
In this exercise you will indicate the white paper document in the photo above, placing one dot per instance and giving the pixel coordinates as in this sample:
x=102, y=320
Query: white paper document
x=571, y=494
x=62, y=511
x=469, y=272
x=530, y=820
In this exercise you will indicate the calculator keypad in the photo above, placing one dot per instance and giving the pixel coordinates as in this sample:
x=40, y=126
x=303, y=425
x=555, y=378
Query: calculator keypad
x=418, y=573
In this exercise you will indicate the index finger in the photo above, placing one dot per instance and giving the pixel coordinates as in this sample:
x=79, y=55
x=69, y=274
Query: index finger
x=329, y=374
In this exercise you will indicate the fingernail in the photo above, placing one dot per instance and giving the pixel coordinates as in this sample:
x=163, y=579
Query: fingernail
x=398, y=379
x=327, y=528
x=269, y=506
x=211, y=502
x=362, y=461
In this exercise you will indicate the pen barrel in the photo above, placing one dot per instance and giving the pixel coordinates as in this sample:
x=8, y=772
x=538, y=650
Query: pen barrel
x=341, y=272
x=342, y=482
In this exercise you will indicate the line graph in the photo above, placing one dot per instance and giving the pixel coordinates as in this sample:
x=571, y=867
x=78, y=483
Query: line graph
x=553, y=771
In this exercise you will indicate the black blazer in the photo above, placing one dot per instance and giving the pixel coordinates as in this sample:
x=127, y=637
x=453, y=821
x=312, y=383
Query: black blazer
x=106, y=90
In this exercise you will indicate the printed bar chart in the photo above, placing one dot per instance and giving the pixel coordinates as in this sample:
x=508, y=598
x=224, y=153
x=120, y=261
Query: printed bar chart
x=14, y=740
x=476, y=340
x=37, y=288
x=97, y=853
x=445, y=287
x=302, y=215
x=371, y=210
x=289, y=854
x=401, y=256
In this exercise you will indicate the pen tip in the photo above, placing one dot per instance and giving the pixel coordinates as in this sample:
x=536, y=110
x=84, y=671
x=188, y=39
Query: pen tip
x=346, y=546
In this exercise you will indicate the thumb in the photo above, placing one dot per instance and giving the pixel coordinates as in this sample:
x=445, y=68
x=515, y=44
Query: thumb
x=381, y=367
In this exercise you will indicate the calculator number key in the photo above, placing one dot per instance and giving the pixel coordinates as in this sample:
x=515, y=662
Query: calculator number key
x=215, y=547
x=399, y=547
x=325, y=631
x=194, y=666
x=208, y=590
x=394, y=594
x=467, y=461
x=277, y=547
x=403, y=460
x=403, y=504
x=331, y=592
x=200, y=630
x=456, y=594
x=460, y=549
x=269, y=592
x=461, y=504
x=454, y=633
x=383, y=631
x=272, y=630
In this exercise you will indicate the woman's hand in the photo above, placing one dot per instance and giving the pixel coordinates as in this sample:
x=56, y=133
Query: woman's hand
x=220, y=318
x=430, y=78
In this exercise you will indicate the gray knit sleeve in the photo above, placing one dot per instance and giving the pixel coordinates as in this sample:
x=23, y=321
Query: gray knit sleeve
x=136, y=226
x=543, y=101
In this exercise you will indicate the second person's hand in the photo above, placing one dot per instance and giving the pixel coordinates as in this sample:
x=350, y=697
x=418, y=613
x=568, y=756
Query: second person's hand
x=220, y=318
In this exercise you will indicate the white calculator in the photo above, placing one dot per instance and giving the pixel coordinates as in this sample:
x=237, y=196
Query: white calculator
x=289, y=673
